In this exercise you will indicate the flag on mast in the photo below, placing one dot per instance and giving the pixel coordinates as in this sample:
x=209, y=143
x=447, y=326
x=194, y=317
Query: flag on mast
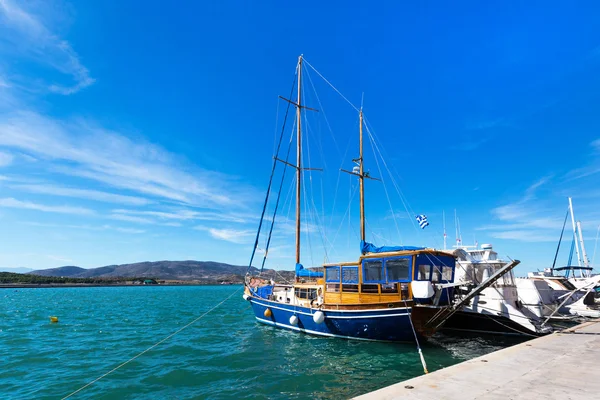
x=422, y=220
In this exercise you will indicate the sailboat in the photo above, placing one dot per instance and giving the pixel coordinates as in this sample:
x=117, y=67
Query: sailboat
x=389, y=293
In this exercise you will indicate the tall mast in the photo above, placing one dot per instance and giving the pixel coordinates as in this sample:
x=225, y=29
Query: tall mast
x=298, y=160
x=583, y=253
x=444, y=217
x=574, y=231
x=361, y=177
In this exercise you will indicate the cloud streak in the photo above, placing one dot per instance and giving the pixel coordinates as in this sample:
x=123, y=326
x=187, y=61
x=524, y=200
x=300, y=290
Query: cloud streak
x=80, y=148
x=82, y=194
x=31, y=39
x=14, y=203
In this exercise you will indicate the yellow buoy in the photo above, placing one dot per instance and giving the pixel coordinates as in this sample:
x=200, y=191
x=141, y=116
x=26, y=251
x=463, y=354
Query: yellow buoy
x=53, y=319
x=268, y=313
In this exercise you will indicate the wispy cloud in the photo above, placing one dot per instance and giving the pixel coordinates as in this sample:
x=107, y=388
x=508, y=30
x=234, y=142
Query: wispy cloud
x=230, y=235
x=592, y=167
x=187, y=215
x=131, y=218
x=87, y=227
x=471, y=144
x=31, y=39
x=526, y=219
x=82, y=149
x=5, y=159
x=59, y=258
x=82, y=194
x=14, y=203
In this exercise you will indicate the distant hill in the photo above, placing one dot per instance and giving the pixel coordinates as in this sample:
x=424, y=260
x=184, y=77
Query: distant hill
x=204, y=271
x=20, y=270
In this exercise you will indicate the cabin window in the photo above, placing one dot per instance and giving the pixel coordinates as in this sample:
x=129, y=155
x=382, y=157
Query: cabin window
x=397, y=269
x=447, y=273
x=389, y=287
x=303, y=293
x=350, y=288
x=332, y=274
x=369, y=288
x=424, y=273
x=349, y=274
x=373, y=271
x=333, y=287
x=442, y=267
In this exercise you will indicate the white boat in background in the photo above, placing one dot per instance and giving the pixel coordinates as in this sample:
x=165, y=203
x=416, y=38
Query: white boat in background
x=497, y=308
x=546, y=294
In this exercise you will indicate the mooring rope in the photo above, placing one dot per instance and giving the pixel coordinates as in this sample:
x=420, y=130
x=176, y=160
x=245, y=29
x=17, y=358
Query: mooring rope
x=417, y=340
x=151, y=347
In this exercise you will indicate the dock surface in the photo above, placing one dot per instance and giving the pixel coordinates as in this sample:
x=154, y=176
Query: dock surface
x=562, y=366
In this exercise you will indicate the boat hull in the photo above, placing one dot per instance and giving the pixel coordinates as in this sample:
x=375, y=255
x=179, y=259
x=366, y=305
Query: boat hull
x=389, y=324
x=469, y=321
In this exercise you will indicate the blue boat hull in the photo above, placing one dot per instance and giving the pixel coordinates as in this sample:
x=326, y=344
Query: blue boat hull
x=390, y=324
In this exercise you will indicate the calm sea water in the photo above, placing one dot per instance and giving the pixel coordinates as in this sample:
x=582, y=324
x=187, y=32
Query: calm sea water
x=224, y=355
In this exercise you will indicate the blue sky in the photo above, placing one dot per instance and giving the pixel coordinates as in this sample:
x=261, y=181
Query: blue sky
x=133, y=131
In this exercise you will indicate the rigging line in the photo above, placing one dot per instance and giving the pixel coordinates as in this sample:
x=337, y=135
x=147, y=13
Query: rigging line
x=308, y=215
x=314, y=217
x=153, y=346
x=276, y=125
x=270, y=180
x=560, y=240
x=329, y=83
x=308, y=228
x=343, y=219
x=276, y=205
x=397, y=187
x=322, y=109
x=595, y=246
x=384, y=186
x=416, y=339
x=337, y=184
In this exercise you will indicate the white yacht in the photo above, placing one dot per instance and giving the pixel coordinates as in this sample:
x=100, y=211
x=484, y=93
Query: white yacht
x=546, y=294
x=496, y=309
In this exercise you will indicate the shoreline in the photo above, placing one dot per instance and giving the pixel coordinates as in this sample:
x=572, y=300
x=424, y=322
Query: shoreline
x=85, y=285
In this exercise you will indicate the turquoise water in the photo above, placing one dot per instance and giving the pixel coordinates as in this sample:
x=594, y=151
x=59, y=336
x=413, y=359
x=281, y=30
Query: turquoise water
x=224, y=355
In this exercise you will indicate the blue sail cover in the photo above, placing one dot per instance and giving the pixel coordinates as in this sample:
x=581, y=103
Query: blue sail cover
x=306, y=273
x=366, y=247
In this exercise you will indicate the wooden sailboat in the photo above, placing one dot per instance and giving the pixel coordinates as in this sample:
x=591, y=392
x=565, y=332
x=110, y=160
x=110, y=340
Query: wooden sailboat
x=389, y=293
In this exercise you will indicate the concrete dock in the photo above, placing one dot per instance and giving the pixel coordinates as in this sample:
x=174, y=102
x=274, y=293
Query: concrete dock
x=562, y=366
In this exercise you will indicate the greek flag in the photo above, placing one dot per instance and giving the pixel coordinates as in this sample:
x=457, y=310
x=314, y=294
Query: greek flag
x=422, y=220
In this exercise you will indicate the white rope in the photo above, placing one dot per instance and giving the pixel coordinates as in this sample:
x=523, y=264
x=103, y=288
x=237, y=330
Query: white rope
x=150, y=348
x=333, y=87
x=373, y=145
x=417, y=340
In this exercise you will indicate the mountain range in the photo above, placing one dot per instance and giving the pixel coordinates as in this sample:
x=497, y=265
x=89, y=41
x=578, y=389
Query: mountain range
x=203, y=271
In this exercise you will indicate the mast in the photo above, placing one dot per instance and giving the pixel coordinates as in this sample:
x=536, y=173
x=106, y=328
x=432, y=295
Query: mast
x=298, y=160
x=583, y=253
x=444, y=217
x=574, y=231
x=362, y=180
